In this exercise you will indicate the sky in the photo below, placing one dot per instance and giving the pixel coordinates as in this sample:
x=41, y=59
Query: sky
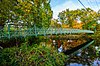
x=61, y=5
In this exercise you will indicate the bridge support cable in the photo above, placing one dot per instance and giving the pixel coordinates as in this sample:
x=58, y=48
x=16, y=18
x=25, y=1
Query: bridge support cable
x=81, y=4
x=97, y=4
x=84, y=6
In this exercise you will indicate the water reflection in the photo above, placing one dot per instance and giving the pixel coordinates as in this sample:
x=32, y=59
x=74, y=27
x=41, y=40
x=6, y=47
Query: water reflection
x=74, y=64
x=63, y=45
x=86, y=57
x=60, y=49
x=96, y=62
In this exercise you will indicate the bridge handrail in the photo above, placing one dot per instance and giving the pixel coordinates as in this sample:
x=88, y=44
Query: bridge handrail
x=43, y=31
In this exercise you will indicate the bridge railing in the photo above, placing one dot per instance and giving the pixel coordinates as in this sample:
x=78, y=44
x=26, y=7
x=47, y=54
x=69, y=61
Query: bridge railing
x=42, y=31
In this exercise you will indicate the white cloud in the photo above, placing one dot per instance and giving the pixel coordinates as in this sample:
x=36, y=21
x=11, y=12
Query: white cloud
x=68, y=4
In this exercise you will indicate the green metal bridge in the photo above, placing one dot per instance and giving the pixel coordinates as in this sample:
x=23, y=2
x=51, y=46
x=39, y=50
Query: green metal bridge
x=45, y=32
x=42, y=31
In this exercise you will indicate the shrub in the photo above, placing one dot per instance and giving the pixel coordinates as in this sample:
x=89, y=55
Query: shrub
x=35, y=55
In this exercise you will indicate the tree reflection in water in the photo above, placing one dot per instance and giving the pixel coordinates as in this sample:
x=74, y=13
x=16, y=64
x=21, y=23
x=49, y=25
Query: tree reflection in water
x=88, y=57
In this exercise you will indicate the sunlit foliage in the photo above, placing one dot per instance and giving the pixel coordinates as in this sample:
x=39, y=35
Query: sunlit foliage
x=87, y=17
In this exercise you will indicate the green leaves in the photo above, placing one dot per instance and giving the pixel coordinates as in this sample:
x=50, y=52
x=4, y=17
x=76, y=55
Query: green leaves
x=35, y=55
x=6, y=6
x=87, y=16
x=29, y=11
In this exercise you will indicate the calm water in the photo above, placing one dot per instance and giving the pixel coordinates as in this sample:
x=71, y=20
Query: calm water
x=86, y=57
x=83, y=58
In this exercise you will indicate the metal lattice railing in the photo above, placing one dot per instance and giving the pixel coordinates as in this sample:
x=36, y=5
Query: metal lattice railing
x=42, y=31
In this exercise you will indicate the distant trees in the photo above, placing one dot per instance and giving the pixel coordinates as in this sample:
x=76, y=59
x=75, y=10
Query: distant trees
x=87, y=18
x=55, y=23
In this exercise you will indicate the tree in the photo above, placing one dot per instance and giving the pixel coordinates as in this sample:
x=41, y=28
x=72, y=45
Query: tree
x=30, y=12
x=87, y=16
x=36, y=12
x=69, y=16
x=6, y=7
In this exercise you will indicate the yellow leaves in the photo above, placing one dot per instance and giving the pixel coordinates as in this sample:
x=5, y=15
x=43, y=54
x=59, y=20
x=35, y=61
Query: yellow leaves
x=77, y=25
x=36, y=2
x=94, y=24
x=65, y=26
x=25, y=6
x=27, y=11
x=53, y=22
x=43, y=14
x=19, y=0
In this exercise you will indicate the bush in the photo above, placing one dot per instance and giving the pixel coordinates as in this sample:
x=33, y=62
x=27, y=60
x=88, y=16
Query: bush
x=6, y=42
x=31, y=55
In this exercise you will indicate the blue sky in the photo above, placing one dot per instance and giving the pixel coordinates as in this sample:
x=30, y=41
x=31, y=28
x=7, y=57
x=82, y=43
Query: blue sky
x=60, y=5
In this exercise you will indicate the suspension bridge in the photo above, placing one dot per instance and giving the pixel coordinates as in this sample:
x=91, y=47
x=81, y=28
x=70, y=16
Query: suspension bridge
x=50, y=31
x=42, y=31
